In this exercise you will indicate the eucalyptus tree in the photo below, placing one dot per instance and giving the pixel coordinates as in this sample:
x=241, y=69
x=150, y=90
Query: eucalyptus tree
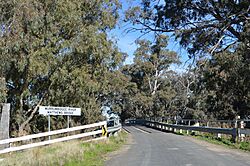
x=55, y=53
x=223, y=87
x=181, y=104
x=153, y=61
x=149, y=71
x=200, y=26
x=217, y=29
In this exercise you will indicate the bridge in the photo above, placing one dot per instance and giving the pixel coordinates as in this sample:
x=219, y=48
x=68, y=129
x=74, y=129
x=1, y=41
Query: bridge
x=149, y=143
x=151, y=147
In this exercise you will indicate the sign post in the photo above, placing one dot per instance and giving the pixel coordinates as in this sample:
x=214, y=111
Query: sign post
x=49, y=124
x=68, y=121
x=68, y=111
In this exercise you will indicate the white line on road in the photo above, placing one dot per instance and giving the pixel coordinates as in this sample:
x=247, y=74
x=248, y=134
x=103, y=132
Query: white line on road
x=173, y=148
x=140, y=130
x=126, y=130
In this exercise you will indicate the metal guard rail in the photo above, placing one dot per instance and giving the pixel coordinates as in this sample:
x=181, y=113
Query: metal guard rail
x=230, y=131
x=244, y=131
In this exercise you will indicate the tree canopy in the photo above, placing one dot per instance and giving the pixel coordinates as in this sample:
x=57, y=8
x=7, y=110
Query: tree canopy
x=200, y=26
x=149, y=72
x=56, y=53
x=59, y=53
x=216, y=33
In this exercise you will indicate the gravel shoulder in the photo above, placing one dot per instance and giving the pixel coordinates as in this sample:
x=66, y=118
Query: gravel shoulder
x=123, y=149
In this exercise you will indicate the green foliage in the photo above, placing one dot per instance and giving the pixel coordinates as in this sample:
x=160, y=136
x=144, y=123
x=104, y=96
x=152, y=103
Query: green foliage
x=149, y=72
x=200, y=26
x=96, y=152
x=216, y=31
x=218, y=87
x=224, y=141
x=245, y=146
x=223, y=85
x=56, y=53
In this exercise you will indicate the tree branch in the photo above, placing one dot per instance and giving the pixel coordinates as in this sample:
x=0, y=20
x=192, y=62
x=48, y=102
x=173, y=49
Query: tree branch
x=23, y=125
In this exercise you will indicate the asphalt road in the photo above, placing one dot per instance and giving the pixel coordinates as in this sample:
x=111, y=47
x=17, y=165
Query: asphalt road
x=149, y=147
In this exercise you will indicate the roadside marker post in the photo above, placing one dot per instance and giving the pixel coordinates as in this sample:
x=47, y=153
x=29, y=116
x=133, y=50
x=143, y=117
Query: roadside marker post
x=104, y=131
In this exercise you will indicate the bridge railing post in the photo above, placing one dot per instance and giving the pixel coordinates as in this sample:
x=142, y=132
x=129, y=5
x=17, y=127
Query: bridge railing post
x=188, y=125
x=167, y=128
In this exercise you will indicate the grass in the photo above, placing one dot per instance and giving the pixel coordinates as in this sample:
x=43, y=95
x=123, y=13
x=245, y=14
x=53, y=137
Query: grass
x=225, y=141
x=72, y=153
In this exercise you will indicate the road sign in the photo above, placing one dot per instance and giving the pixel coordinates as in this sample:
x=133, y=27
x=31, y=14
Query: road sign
x=49, y=110
x=104, y=131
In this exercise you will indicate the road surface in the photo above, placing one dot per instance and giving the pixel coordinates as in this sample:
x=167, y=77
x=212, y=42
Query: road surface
x=151, y=147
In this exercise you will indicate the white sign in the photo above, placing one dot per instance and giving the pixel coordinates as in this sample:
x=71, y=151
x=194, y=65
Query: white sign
x=48, y=110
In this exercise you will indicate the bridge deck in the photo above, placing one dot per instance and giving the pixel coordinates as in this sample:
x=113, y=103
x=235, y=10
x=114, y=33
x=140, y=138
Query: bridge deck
x=155, y=148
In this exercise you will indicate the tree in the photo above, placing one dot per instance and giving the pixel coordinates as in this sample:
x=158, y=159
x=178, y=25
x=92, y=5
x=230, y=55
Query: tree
x=223, y=85
x=149, y=71
x=154, y=61
x=220, y=31
x=118, y=93
x=48, y=49
x=200, y=26
x=183, y=104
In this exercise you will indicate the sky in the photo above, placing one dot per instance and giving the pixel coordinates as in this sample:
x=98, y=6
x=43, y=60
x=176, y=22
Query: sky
x=126, y=41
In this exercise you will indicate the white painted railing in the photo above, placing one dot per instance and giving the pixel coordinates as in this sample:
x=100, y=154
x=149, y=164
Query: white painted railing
x=55, y=132
x=114, y=128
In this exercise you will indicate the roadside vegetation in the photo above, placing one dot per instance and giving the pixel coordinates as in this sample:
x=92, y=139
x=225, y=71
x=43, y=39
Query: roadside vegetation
x=61, y=53
x=73, y=153
x=224, y=140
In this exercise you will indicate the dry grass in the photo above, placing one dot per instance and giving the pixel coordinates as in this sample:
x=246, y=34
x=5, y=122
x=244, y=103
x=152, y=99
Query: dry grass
x=57, y=154
x=72, y=153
